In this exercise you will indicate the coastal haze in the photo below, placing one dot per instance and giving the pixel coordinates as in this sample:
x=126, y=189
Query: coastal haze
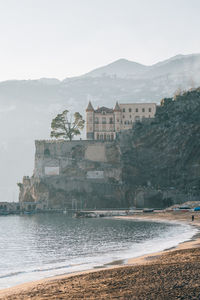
x=28, y=106
x=112, y=212
x=60, y=56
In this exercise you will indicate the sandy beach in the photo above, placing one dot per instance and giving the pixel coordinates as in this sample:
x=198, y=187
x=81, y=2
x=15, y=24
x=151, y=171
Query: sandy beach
x=170, y=274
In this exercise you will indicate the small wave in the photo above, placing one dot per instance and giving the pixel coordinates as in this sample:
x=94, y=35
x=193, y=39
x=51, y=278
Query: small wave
x=12, y=274
x=51, y=268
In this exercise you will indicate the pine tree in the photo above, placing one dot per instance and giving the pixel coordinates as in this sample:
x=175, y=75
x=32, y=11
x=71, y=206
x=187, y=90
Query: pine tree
x=64, y=127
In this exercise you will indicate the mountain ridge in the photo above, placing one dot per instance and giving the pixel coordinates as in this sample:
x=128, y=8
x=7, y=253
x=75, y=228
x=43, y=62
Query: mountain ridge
x=136, y=67
x=121, y=62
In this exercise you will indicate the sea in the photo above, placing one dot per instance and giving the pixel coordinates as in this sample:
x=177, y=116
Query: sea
x=38, y=246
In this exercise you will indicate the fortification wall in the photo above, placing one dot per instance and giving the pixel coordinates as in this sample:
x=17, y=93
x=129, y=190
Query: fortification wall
x=82, y=173
x=85, y=159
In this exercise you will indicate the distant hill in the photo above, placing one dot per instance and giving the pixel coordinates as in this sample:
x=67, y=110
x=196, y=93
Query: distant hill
x=28, y=106
x=121, y=68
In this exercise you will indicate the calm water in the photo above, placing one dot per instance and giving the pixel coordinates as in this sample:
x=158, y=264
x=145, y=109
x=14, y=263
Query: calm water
x=38, y=246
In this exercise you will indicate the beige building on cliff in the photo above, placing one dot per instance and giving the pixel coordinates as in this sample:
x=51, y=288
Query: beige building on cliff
x=104, y=123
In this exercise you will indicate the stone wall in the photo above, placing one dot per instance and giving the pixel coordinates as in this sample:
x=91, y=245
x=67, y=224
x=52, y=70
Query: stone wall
x=77, y=173
x=60, y=157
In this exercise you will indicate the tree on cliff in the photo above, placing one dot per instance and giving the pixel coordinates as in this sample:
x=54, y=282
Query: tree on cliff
x=66, y=127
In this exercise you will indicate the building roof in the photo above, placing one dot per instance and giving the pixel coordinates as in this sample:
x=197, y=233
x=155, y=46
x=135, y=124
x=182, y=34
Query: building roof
x=103, y=109
x=89, y=107
x=117, y=107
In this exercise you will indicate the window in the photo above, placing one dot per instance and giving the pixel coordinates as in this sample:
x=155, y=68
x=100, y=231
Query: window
x=46, y=152
x=108, y=137
x=136, y=110
x=97, y=136
x=90, y=120
x=117, y=120
x=104, y=137
x=111, y=120
x=130, y=116
x=130, y=110
x=123, y=116
x=112, y=137
x=103, y=112
x=123, y=110
x=103, y=120
x=143, y=110
x=96, y=120
x=137, y=119
x=101, y=137
x=149, y=109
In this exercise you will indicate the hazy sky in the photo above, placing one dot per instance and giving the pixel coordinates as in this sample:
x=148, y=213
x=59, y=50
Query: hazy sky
x=61, y=38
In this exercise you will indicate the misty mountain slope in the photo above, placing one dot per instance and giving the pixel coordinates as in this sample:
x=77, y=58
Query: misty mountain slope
x=180, y=64
x=28, y=106
x=122, y=68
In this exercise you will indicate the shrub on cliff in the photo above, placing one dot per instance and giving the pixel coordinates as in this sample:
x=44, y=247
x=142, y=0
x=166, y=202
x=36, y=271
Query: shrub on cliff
x=184, y=107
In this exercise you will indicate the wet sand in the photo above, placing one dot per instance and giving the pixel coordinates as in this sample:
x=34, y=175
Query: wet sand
x=171, y=274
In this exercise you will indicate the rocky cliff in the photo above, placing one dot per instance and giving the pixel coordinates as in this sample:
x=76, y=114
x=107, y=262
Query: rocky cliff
x=164, y=155
x=155, y=164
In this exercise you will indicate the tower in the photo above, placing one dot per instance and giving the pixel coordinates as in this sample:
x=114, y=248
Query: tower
x=117, y=114
x=90, y=122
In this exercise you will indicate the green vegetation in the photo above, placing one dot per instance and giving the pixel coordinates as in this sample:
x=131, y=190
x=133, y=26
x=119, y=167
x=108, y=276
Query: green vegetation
x=183, y=107
x=166, y=151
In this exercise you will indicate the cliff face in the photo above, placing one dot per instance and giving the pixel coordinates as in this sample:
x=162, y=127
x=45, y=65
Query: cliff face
x=154, y=165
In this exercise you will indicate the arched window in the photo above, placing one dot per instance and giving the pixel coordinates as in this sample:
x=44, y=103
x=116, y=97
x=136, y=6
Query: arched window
x=137, y=119
x=103, y=120
x=46, y=152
